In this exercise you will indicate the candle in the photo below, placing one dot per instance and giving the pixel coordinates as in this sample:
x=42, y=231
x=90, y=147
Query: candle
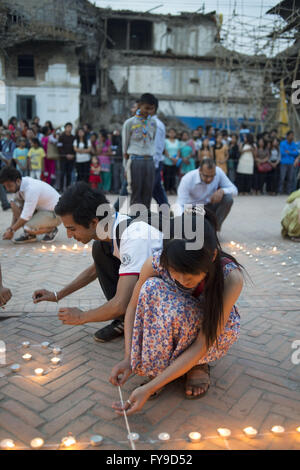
x=274, y=249
x=257, y=248
x=55, y=360
x=278, y=430
x=164, y=436
x=64, y=247
x=96, y=441
x=232, y=243
x=26, y=344
x=68, y=441
x=53, y=248
x=56, y=350
x=37, y=443
x=278, y=274
x=224, y=432
x=86, y=247
x=27, y=357
x=194, y=436
x=45, y=344
x=44, y=248
x=39, y=371
x=75, y=246
x=298, y=429
x=250, y=431
x=283, y=264
x=134, y=436
x=15, y=368
x=7, y=444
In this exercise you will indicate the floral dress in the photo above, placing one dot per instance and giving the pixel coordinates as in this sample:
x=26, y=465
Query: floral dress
x=168, y=320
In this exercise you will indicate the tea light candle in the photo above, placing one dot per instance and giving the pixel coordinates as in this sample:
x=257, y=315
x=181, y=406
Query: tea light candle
x=194, y=436
x=56, y=350
x=283, y=264
x=68, y=441
x=232, y=243
x=26, y=344
x=224, y=432
x=39, y=371
x=45, y=344
x=250, y=432
x=75, y=246
x=278, y=430
x=257, y=248
x=164, y=436
x=64, y=247
x=86, y=247
x=133, y=436
x=96, y=441
x=298, y=429
x=7, y=444
x=44, y=247
x=27, y=357
x=53, y=248
x=274, y=249
x=37, y=443
x=55, y=360
x=15, y=368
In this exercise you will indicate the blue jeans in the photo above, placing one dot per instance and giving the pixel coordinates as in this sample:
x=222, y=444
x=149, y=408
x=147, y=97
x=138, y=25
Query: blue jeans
x=288, y=172
x=159, y=193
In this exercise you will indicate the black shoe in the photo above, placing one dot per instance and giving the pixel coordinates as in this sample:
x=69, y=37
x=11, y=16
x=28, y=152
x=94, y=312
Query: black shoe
x=49, y=237
x=109, y=332
x=25, y=239
x=5, y=208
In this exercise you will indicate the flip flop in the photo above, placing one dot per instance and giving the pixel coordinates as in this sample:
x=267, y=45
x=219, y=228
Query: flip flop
x=200, y=382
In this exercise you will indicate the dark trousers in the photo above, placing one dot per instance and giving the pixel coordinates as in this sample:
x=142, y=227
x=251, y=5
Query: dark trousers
x=142, y=181
x=66, y=167
x=117, y=174
x=3, y=198
x=83, y=171
x=244, y=182
x=123, y=192
x=288, y=173
x=170, y=177
x=273, y=180
x=259, y=180
x=221, y=209
x=158, y=190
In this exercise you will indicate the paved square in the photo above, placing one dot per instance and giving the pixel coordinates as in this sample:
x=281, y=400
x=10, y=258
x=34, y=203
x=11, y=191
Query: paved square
x=256, y=384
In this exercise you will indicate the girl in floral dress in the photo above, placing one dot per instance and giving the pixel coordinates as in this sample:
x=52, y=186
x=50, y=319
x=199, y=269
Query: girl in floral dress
x=181, y=317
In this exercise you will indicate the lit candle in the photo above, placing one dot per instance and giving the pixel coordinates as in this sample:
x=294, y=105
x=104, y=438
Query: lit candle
x=37, y=443
x=26, y=344
x=86, y=247
x=250, y=432
x=248, y=253
x=234, y=252
x=96, y=441
x=278, y=274
x=274, y=249
x=55, y=360
x=283, y=264
x=194, y=436
x=298, y=429
x=15, y=368
x=257, y=248
x=68, y=441
x=53, y=248
x=56, y=350
x=75, y=246
x=133, y=436
x=164, y=436
x=27, y=357
x=45, y=344
x=224, y=432
x=64, y=247
x=44, y=247
x=233, y=243
x=278, y=430
x=39, y=371
x=7, y=444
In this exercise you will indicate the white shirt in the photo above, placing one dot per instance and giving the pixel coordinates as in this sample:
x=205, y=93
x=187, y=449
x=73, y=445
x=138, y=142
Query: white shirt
x=159, y=142
x=82, y=157
x=192, y=190
x=138, y=242
x=36, y=195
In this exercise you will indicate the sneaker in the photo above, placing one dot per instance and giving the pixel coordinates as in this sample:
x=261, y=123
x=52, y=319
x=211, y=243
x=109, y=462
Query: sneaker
x=25, y=239
x=6, y=208
x=109, y=332
x=49, y=237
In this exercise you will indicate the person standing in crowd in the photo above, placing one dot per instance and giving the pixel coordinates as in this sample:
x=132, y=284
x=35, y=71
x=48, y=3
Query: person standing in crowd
x=20, y=157
x=205, y=151
x=36, y=156
x=233, y=158
x=12, y=127
x=95, y=171
x=104, y=153
x=171, y=161
x=3, y=196
x=181, y=317
x=207, y=185
x=33, y=207
x=262, y=165
x=187, y=152
x=88, y=130
x=158, y=191
x=5, y=294
x=288, y=165
x=83, y=150
x=117, y=161
x=138, y=142
x=7, y=147
x=67, y=156
x=210, y=134
x=49, y=164
x=245, y=168
x=243, y=133
x=220, y=152
x=273, y=175
x=197, y=143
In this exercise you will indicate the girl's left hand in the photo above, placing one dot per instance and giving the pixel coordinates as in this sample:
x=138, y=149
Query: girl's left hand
x=135, y=403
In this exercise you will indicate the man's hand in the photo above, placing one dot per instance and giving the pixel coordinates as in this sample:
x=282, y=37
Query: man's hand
x=120, y=373
x=135, y=403
x=5, y=296
x=217, y=196
x=43, y=295
x=8, y=235
x=71, y=316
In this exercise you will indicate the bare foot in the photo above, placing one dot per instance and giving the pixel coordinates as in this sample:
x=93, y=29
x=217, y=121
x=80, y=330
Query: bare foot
x=197, y=381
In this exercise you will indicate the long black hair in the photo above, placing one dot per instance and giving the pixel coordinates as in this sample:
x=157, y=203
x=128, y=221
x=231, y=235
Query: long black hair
x=177, y=257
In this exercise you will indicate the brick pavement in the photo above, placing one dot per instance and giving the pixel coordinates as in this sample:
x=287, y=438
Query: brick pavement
x=255, y=384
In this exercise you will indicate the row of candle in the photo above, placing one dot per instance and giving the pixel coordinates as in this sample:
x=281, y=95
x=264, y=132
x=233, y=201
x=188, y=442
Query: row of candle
x=27, y=357
x=194, y=437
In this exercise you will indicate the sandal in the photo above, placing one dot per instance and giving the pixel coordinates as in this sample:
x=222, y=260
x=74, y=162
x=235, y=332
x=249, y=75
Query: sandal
x=202, y=381
x=155, y=394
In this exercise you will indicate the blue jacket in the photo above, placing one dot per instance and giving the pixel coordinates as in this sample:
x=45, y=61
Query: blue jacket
x=288, y=158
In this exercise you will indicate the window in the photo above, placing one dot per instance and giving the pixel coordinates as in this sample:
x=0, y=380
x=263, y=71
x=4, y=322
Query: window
x=126, y=34
x=117, y=32
x=88, y=77
x=26, y=107
x=25, y=66
x=140, y=35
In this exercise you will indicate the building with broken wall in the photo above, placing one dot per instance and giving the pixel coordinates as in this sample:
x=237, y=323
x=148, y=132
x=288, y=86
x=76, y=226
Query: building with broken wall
x=71, y=61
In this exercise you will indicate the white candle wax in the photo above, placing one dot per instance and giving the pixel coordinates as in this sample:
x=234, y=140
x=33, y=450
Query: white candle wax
x=250, y=431
x=134, y=436
x=224, y=432
x=55, y=360
x=45, y=344
x=194, y=436
x=27, y=357
x=26, y=344
x=15, y=367
x=7, y=444
x=68, y=441
x=39, y=371
x=56, y=350
x=278, y=430
x=37, y=443
x=96, y=441
x=164, y=436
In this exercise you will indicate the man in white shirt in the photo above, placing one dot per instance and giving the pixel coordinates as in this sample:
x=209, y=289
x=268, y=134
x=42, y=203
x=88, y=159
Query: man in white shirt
x=118, y=257
x=208, y=185
x=33, y=207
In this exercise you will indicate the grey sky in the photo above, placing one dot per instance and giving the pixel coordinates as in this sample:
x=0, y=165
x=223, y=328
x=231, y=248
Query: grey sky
x=245, y=24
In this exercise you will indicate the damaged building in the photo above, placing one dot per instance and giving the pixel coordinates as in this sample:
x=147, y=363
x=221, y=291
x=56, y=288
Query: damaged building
x=71, y=61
